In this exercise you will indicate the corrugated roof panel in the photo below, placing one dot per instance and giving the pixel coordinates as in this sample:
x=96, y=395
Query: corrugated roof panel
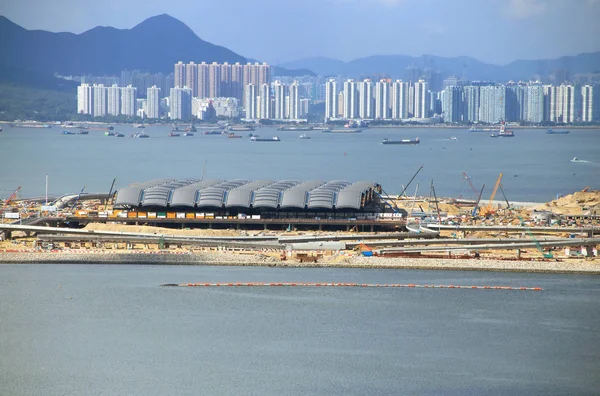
x=186, y=196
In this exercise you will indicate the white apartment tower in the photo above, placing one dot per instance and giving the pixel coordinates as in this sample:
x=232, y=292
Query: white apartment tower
x=365, y=99
x=99, y=101
x=382, y=100
x=180, y=102
x=129, y=101
x=264, y=102
x=331, y=99
x=280, y=106
x=214, y=79
x=179, y=75
x=153, y=102
x=250, y=101
x=191, y=78
x=587, y=105
x=294, y=101
x=114, y=100
x=203, y=81
x=350, y=100
x=85, y=99
x=421, y=100
x=399, y=100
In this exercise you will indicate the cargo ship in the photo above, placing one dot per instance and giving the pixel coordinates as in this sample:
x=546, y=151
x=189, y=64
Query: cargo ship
x=403, y=141
x=271, y=139
x=557, y=132
x=68, y=133
x=295, y=128
x=241, y=128
x=232, y=135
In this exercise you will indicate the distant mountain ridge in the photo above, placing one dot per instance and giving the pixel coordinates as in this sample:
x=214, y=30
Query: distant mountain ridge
x=395, y=66
x=155, y=45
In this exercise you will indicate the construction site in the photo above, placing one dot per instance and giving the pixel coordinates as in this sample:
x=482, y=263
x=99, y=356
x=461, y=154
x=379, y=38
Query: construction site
x=294, y=222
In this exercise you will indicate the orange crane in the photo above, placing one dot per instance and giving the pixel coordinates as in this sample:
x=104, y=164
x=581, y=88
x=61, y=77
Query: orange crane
x=12, y=197
x=489, y=208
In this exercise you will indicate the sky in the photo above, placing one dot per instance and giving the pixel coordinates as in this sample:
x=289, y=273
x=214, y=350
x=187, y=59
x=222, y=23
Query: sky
x=278, y=31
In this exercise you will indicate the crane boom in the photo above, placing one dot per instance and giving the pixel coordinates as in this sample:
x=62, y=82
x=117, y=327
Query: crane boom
x=468, y=179
x=410, y=181
x=12, y=196
x=477, y=203
x=488, y=208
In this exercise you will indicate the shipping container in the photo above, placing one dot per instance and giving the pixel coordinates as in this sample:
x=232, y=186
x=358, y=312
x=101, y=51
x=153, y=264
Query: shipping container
x=189, y=216
x=141, y=215
x=199, y=215
x=161, y=215
x=152, y=215
x=180, y=215
x=132, y=214
x=170, y=215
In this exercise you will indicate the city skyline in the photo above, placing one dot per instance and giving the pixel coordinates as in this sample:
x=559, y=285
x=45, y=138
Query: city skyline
x=517, y=27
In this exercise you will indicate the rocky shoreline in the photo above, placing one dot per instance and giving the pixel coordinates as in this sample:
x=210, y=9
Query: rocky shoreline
x=233, y=259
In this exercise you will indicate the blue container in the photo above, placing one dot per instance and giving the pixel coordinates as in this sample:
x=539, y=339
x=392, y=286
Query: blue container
x=367, y=254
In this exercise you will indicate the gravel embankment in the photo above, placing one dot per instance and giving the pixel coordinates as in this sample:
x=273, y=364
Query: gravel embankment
x=233, y=259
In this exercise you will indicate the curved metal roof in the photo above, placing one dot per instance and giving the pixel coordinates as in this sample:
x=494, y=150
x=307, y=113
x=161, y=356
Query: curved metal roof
x=239, y=193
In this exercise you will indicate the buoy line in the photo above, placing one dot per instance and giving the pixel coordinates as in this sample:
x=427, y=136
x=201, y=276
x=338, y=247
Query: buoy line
x=313, y=284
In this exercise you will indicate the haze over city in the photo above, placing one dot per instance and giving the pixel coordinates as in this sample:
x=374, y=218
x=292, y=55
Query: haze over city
x=492, y=31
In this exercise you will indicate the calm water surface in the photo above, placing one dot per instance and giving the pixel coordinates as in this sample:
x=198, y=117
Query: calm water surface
x=112, y=330
x=536, y=166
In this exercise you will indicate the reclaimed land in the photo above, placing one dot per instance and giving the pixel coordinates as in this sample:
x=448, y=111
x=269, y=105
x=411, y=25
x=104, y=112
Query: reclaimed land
x=217, y=258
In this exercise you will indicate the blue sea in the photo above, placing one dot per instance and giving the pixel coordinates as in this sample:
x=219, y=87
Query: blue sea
x=535, y=166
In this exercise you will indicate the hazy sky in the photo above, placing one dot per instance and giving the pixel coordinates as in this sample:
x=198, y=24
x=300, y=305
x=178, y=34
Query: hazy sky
x=495, y=31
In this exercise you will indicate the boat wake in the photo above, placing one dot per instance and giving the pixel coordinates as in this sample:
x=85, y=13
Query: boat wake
x=575, y=159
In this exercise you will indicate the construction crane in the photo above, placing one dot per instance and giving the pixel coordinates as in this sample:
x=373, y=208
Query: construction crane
x=468, y=179
x=539, y=247
x=489, y=208
x=410, y=181
x=474, y=214
x=12, y=197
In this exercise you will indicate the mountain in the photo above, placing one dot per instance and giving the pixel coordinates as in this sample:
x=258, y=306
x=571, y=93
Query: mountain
x=154, y=45
x=395, y=66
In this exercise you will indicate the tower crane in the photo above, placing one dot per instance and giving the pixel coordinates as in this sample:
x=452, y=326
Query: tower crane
x=489, y=208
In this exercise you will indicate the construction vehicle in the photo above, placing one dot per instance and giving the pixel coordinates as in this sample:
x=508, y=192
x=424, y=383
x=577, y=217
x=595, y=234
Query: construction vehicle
x=12, y=197
x=546, y=255
x=364, y=250
x=489, y=209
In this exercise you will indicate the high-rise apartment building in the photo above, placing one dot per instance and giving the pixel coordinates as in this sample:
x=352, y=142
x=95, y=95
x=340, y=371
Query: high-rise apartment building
x=99, y=101
x=179, y=75
x=399, y=100
x=382, y=99
x=471, y=103
x=365, y=99
x=588, y=105
x=214, y=79
x=565, y=102
x=180, y=101
x=237, y=81
x=203, y=81
x=85, y=99
x=535, y=103
x=250, y=101
x=453, y=104
x=280, y=105
x=264, y=102
x=350, y=100
x=294, y=101
x=191, y=77
x=129, y=101
x=421, y=101
x=113, y=100
x=331, y=99
x=225, y=77
x=153, y=102
x=492, y=107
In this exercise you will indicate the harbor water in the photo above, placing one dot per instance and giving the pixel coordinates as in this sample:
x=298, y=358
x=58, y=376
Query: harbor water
x=536, y=166
x=113, y=330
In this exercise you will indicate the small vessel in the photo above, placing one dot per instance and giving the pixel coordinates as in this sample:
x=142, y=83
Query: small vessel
x=295, y=128
x=304, y=136
x=453, y=138
x=212, y=132
x=68, y=133
x=494, y=134
x=174, y=134
x=191, y=128
x=83, y=132
x=504, y=132
x=0, y=129
x=474, y=129
x=241, y=128
x=271, y=139
x=348, y=130
x=403, y=141
x=119, y=134
x=109, y=133
x=175, y=128
x=234, y=136
x=140, y=135
x=110, y=127
x=557, y=132
x=139, y=126
x=188, y=133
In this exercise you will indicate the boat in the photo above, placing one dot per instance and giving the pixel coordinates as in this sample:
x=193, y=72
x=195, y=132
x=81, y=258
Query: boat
x=304, y=136
x=140, y=135
x=188, y=133
x=494, y=134
x=68, y=133
x=557, y=132
x=139, y=126
x=119, y=134
x=212, y=132
x=109, y=133
x=174, y=134
x=271, y=139
x=295, y=128
x=175, y=128
x=191, y=128
x=241, y=128
x=234, y=136
x=453, y=138
x=83, y=132
x=504, y=132
x=474, y=129
x=0, y=129
x=348, y=130
x=403, y=141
